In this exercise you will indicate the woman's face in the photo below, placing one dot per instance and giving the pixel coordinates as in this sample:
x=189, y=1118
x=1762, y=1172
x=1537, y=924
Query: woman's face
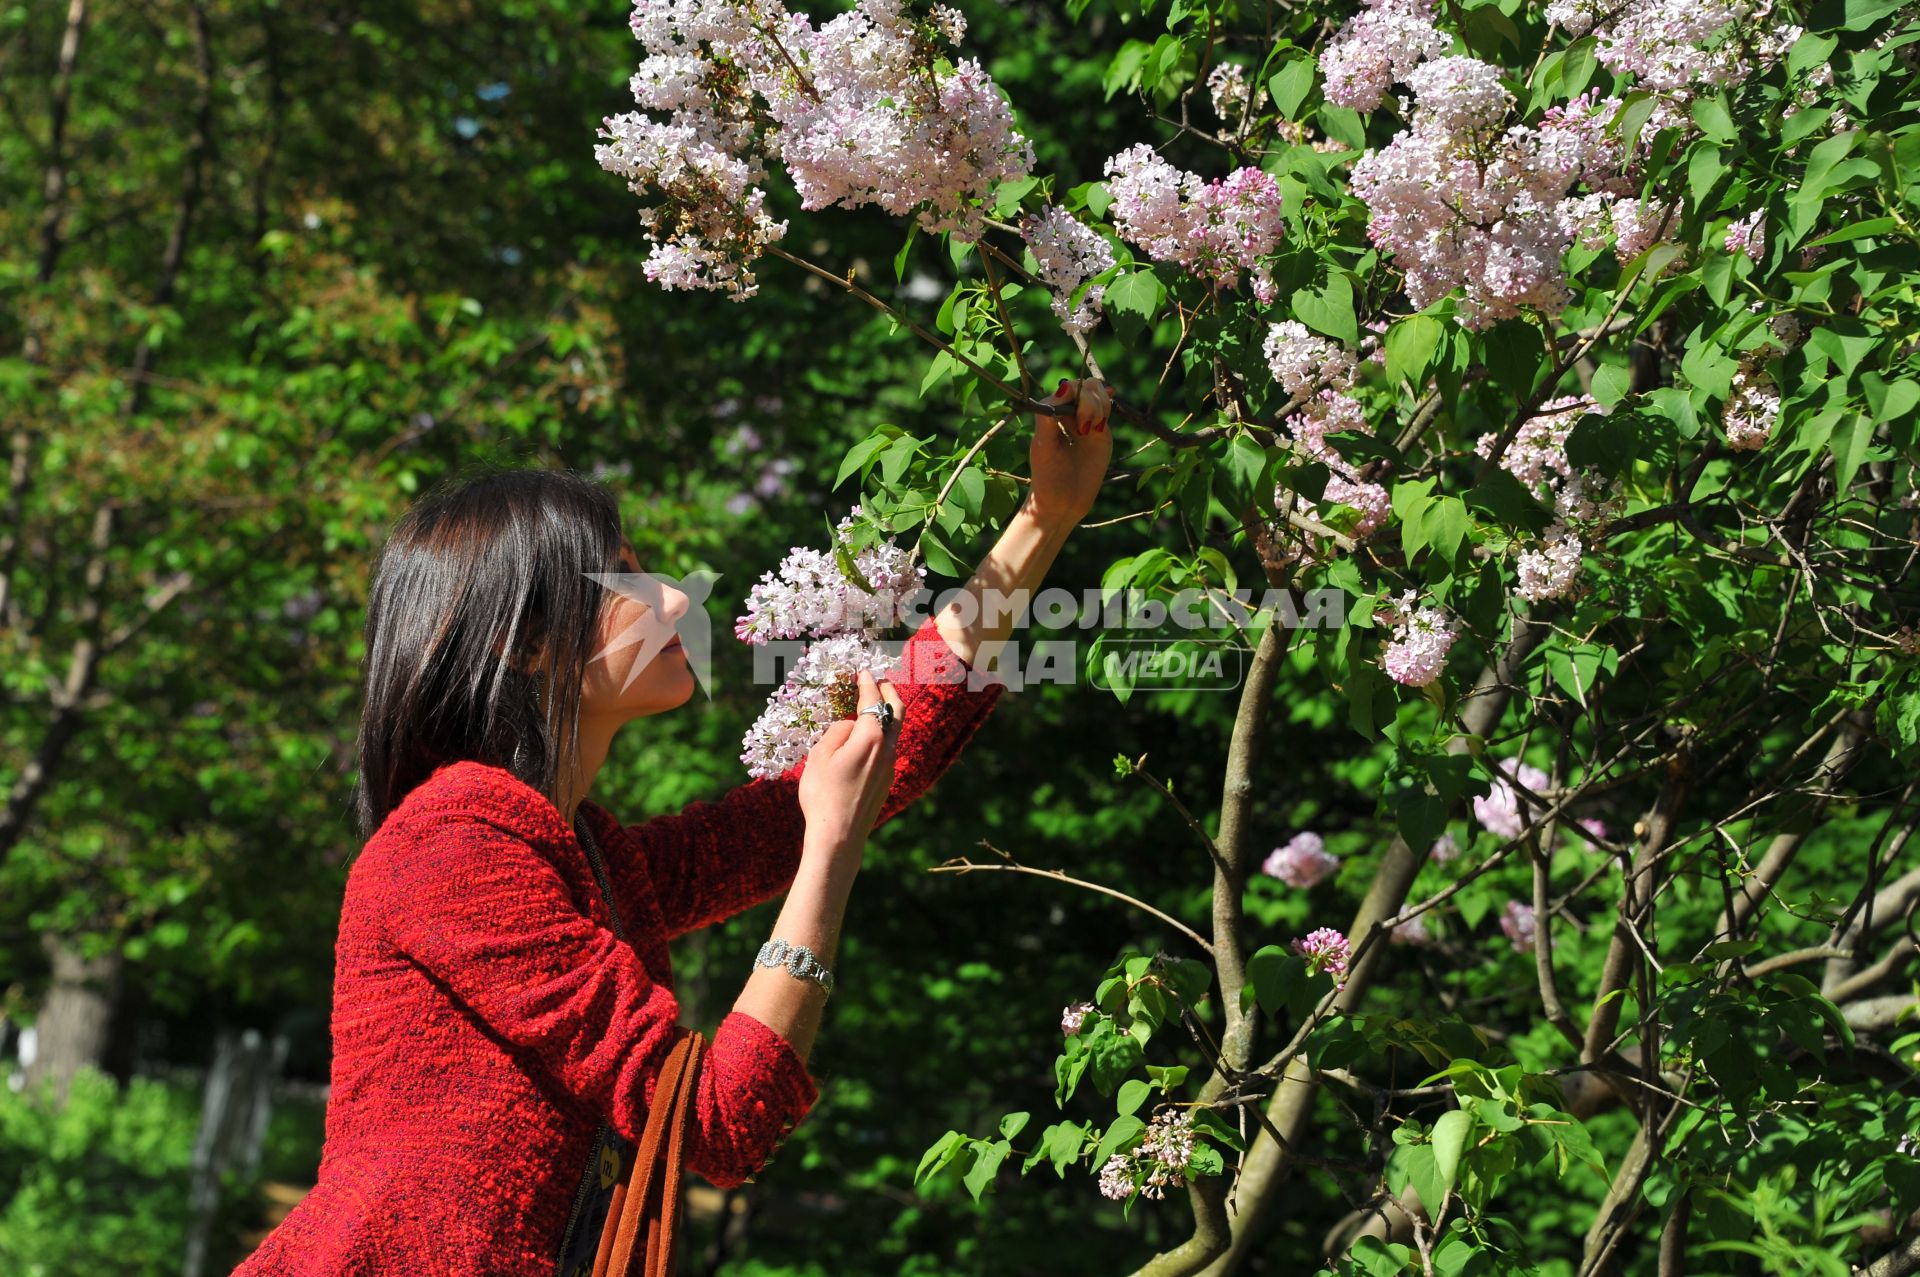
x=639, y=666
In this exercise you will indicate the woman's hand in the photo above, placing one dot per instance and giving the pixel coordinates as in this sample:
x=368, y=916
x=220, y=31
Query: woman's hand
x=1070, y=454
x=848, y=773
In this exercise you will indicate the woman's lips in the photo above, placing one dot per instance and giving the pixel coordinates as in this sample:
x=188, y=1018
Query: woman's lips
x=674, y=646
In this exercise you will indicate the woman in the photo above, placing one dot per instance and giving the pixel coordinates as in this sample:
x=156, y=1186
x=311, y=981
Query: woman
x=489, y=1012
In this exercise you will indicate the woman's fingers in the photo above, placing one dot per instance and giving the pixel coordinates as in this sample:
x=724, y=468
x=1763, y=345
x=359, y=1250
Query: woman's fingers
x=1094, y=403
x=830, y=740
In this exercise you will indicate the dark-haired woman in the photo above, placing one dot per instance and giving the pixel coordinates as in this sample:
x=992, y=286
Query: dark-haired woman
x=496, y=1027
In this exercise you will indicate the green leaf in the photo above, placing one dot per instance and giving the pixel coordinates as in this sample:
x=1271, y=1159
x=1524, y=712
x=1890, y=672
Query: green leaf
x=1423, y=1172
x=1059, y=1144
x=1123, y=1129
x=1242, y=467
x=1274, y=974
x=1715, y=118
x=1013, y=1123
x=1450, y=1135
x=944, y=1150
x=1849, y=444
x=1133, y=1093
x=1131, y=302
x=1329, y=310
x=986, y=1164
x=1410, y=348
x=1514, y=351
x=1007, y=195
x=900, y=258
x=1611, y=382
x=1421, y=817
x=1290, y=85
x=1124, y=71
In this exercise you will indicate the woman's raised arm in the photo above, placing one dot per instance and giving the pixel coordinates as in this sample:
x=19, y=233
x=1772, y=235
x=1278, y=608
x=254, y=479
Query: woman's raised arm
x=715, y=859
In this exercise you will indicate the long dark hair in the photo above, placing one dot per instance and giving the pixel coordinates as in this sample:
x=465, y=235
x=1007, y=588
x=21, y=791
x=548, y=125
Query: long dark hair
x=480, y=575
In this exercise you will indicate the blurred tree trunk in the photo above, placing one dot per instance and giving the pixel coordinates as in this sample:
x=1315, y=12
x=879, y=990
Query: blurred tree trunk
x=76, y=1019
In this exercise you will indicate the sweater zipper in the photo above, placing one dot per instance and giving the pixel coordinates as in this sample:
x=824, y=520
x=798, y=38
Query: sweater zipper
x=592, y=848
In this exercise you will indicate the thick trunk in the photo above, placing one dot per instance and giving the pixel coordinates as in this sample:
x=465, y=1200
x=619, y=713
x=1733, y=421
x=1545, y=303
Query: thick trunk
x=75, y=1021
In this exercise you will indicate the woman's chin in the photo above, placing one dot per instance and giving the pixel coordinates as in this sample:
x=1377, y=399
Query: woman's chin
x=668, y=692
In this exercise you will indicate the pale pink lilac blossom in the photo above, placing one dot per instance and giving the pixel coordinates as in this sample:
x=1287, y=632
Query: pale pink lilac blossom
x=818, y=690
x=1377, y=47
x=1549, y=570
x=1214, y=229
x=856, y=110
x=1302, y=862
x=1304, y=363
x=1464, y=201
x=1166, y=1151
x=809, y=595
x=1072, y=1017
x=1518, y=922
x=1422, y=637
x=1748, y=235
x=1753, y=408
x=1068, y=253
x=1332, y=412
x=1679, y=45
x=1502, y=810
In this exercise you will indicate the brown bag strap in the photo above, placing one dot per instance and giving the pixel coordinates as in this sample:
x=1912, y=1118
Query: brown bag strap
x=647, y=1204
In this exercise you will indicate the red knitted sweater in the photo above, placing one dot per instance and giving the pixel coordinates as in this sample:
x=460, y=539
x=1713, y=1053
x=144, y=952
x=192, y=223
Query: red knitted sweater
x=485, y=1017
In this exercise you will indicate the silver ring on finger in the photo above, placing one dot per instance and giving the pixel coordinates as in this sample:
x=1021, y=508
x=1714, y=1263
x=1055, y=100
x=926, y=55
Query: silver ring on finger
x=882, y=710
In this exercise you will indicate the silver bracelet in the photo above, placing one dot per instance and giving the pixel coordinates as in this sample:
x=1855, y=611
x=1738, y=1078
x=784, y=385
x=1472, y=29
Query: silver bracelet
x=797, y=959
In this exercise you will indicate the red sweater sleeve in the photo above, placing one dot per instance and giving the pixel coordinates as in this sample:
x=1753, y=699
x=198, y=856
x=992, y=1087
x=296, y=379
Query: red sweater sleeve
x=489, y=918
x=716, y=858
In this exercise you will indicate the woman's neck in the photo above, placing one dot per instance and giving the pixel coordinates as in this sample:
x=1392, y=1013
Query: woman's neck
x=596, y=736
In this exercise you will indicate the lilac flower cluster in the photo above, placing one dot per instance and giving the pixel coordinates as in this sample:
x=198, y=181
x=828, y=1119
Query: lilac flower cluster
x=1413, y=931
x=1302, y=862
x=1753, y=407
x=1444, y=848
x=1377, y=47
x=818, y=690
x=1549, y=570
x=1325, y=950
x=855, y=109
x=1303, y=363
x=1518, y=922
x=1215, y=229
x=1678, y=45
x=1463, y=200
x=1165, y=1153
x=1332, y=412
x=1748, y=235
x=1068, y=253
x=1501, y=811
x=1421, y=640
x=1227, y=85
x=1537, y=455
x=1073, y=1016
x=810, y=596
